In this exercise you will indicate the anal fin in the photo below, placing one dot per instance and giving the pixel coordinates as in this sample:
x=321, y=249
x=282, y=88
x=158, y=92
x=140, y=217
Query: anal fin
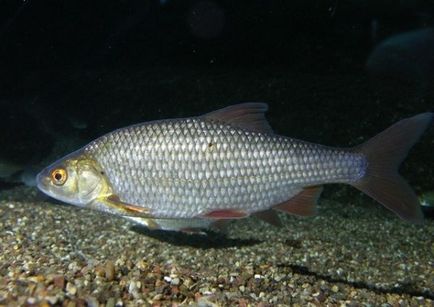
x=302, y=204
x=270, y=217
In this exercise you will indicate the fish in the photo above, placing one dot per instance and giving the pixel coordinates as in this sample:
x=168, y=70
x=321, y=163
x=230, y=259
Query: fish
x=226, y=165
x=405, y=59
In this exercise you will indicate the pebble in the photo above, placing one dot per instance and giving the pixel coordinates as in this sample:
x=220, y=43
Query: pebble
x=71, y=289
x=92, y=301
x=59, y=281
x=157, y=297
x=110, y=302
x=110, y=271
x=52, y=299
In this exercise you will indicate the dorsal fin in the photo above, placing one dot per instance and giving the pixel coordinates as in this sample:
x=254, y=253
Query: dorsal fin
x=302, y=204
x=249, y=116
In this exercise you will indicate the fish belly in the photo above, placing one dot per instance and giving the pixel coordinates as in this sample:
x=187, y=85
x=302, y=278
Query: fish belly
x=186, y=168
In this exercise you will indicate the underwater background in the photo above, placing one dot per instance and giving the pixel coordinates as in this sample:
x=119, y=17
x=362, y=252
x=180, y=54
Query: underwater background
x=333, y=72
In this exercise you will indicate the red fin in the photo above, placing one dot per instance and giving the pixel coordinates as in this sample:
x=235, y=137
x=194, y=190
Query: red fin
x=250, y=116
x=226, y=214
x=302, y=204
x=270, y=217
x=384, y=153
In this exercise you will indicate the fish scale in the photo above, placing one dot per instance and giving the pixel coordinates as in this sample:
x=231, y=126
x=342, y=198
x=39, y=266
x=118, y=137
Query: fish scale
x=187, y=167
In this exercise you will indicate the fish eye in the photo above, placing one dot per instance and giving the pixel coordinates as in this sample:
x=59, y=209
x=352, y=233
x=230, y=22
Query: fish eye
x=59, y=176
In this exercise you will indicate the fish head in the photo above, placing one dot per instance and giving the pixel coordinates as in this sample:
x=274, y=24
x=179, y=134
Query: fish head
x=76, y=179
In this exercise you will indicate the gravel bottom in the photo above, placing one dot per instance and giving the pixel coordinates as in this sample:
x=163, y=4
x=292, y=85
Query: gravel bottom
x=352, y=254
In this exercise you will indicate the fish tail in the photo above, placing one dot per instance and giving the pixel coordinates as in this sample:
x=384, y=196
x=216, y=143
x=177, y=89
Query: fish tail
x=384, y=153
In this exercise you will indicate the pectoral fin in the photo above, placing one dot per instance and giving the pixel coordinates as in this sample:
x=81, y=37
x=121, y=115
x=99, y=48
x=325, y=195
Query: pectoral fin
x=112, y=204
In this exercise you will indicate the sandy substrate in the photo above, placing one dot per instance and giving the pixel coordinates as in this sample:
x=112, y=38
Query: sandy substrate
x=349, y=255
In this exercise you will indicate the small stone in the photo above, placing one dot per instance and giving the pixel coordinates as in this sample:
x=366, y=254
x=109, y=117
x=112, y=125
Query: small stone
x=242, y=288
x=175, y=281
x=188, y=282
x=319, y=296
x=142, y=265
x=59, y=281
x=278, y=278
x=37, y=278
x=71, y=304
x=52, y=299
x=92, y=302
x=205, y=291
x=205, y=302
x=71, y=289
x=257, y=276
x=110, y=302
x=31, y=300
x=157, y=297
x=167, y=278
x=110, y=271
x=335, y=289
x=43, y=304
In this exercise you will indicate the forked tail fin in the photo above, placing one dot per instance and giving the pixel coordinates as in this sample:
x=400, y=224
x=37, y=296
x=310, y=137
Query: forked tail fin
x=384, y=154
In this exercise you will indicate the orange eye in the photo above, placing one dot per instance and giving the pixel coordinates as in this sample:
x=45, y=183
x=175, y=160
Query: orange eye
x=59, y=176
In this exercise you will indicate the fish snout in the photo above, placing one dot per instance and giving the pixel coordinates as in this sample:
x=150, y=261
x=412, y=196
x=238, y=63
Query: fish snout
x=42, y=180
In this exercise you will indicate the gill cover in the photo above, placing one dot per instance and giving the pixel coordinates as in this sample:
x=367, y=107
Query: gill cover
x=90, y=181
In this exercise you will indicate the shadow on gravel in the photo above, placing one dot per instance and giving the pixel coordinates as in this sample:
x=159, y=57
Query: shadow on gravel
x=205, y=240
x=401, y=288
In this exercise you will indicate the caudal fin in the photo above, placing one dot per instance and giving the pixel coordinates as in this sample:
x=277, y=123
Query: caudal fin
x=384, y=154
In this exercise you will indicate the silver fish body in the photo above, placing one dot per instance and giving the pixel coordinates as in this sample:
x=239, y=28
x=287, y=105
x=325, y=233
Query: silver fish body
x=227, y=164
x=188, y=167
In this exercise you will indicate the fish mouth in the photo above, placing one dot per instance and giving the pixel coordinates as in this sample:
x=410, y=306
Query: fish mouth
x=41, y=182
